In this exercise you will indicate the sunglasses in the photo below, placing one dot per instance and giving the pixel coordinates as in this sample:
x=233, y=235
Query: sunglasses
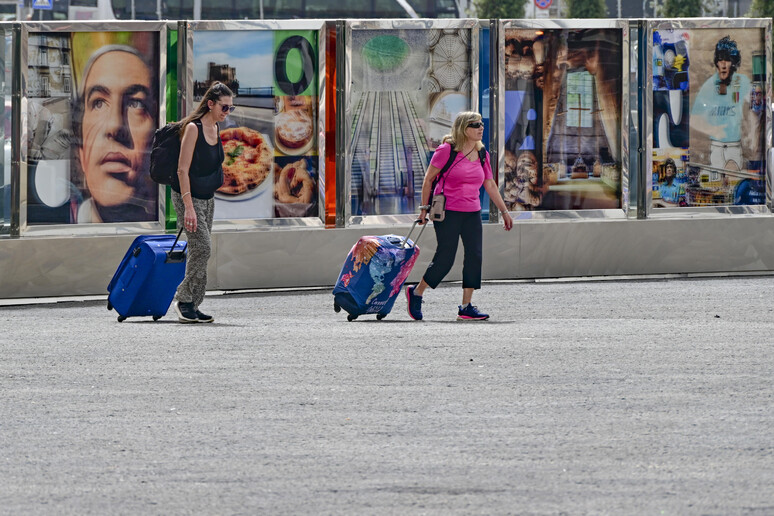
x=226, y=108
x=476, y=125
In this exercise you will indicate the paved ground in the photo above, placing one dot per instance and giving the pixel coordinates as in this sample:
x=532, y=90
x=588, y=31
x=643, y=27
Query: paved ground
x=630, y=397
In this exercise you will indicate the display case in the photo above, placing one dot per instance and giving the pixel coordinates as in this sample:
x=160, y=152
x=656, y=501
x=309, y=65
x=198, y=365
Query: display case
x=563, y=110
x=274, y=140
x=6, y=129
x=709, y=127
x=405, y=81
x=92, y=96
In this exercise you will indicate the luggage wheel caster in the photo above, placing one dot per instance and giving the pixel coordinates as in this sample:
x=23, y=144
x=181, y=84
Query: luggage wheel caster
x=121, y=318
x=156, y=317
x=336, y=307
x=110, y=305
x=379, y=317
x=351, y=318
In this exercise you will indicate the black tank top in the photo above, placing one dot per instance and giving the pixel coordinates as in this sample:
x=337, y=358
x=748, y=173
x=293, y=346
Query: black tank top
x=206, y=171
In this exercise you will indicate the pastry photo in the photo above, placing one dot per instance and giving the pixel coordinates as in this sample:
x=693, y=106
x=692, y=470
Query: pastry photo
x=295, y=187
x=294, y=125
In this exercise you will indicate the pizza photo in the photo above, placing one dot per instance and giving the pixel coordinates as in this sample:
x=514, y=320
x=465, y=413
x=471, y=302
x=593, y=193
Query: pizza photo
x=248, y=161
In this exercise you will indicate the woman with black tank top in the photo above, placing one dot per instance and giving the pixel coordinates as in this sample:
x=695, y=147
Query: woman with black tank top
x=199, y=174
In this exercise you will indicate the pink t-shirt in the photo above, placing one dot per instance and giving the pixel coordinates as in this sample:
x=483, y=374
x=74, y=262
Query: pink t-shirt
x=462, y=182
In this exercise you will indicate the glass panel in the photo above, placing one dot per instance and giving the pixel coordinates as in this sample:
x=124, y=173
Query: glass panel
x=177, y=9
x=350, y=9
x=708, y=117
x=407, y=86
x=92, y=111
x=275, y=9
x=562, y=106
x=6, y=54
x=483, y=101
x=270, y=141
x=231, y=10
x=143, y=9
x=284, y=9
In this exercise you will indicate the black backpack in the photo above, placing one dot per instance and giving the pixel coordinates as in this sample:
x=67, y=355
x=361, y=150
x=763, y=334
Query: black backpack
x=165, y=153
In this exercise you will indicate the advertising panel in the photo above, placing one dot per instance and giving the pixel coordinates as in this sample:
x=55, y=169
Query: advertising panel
x=406, y=87
x=709, y=102
x=270, y=141
x=92, y=109
x=562, y=104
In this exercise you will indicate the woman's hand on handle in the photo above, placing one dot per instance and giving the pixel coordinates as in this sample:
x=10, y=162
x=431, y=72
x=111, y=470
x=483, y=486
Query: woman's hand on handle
x=422, y=217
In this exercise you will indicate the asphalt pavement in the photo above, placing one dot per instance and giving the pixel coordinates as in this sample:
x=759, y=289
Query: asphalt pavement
x=608, y=397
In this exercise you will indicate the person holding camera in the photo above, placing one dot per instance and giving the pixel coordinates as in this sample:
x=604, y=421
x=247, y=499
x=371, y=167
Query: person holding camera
x=456, y=212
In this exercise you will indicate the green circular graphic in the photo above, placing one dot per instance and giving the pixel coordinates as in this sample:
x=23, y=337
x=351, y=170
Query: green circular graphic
x=385, y=53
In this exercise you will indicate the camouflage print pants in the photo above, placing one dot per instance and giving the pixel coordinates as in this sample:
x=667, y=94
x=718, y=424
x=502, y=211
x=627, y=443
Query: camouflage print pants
x=194, y=285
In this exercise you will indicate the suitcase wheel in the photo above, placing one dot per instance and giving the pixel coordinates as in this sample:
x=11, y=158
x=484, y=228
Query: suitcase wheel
x=156, y=317
x=379, y=317
x=351, y=317
x=121, y=318
x=110, y=305
x=336, y=307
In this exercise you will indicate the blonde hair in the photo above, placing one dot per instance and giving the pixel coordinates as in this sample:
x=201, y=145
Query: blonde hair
x=457, y=137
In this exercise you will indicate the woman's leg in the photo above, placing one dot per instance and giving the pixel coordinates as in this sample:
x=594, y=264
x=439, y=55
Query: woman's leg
x=420, y=288
x=447, y=234
x=472, y=236
x=467, y=296
x=206, y=218
x=194, y=284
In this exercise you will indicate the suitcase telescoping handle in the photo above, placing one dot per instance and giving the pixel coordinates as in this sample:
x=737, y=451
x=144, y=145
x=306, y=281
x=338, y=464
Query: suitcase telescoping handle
x=176, y=256
x=414, y=225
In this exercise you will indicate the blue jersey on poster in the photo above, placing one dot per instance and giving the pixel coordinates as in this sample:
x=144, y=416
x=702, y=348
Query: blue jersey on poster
x=723, y=112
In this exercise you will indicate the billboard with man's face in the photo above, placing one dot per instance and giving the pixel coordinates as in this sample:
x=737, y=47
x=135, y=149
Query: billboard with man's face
x=92, y=111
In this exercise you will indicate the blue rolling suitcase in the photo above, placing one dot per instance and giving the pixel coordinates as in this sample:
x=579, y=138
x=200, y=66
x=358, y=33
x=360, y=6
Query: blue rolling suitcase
x=148, y=276
x=374, y=273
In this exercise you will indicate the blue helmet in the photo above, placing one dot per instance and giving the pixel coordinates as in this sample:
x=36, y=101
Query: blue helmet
x=726, y=50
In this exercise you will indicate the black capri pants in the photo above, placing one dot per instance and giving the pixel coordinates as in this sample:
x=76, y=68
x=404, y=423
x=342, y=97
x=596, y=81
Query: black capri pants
x=465, y=224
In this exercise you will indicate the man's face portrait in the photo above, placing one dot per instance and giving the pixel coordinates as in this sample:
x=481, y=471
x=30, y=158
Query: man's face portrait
x=670, y=172
x=724, y=69
x=117, y=127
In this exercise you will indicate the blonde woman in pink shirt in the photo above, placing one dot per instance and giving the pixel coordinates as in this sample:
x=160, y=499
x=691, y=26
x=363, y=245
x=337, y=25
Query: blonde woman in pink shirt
x=460, y=183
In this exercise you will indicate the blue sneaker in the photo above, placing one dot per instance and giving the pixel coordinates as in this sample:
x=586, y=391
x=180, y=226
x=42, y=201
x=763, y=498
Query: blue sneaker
x=185, y=312
x=414, y=303
x=471, y=313
x=204, y=317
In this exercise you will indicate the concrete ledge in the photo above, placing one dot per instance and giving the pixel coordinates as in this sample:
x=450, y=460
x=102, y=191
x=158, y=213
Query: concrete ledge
x=67, y=266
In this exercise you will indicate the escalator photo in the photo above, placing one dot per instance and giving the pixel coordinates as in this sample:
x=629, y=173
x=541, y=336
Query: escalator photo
x=407, y=87
x=390, y=156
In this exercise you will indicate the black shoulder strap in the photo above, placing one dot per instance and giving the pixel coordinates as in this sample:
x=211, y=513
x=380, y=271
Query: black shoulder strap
x=482, y=156
x=452, y=154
